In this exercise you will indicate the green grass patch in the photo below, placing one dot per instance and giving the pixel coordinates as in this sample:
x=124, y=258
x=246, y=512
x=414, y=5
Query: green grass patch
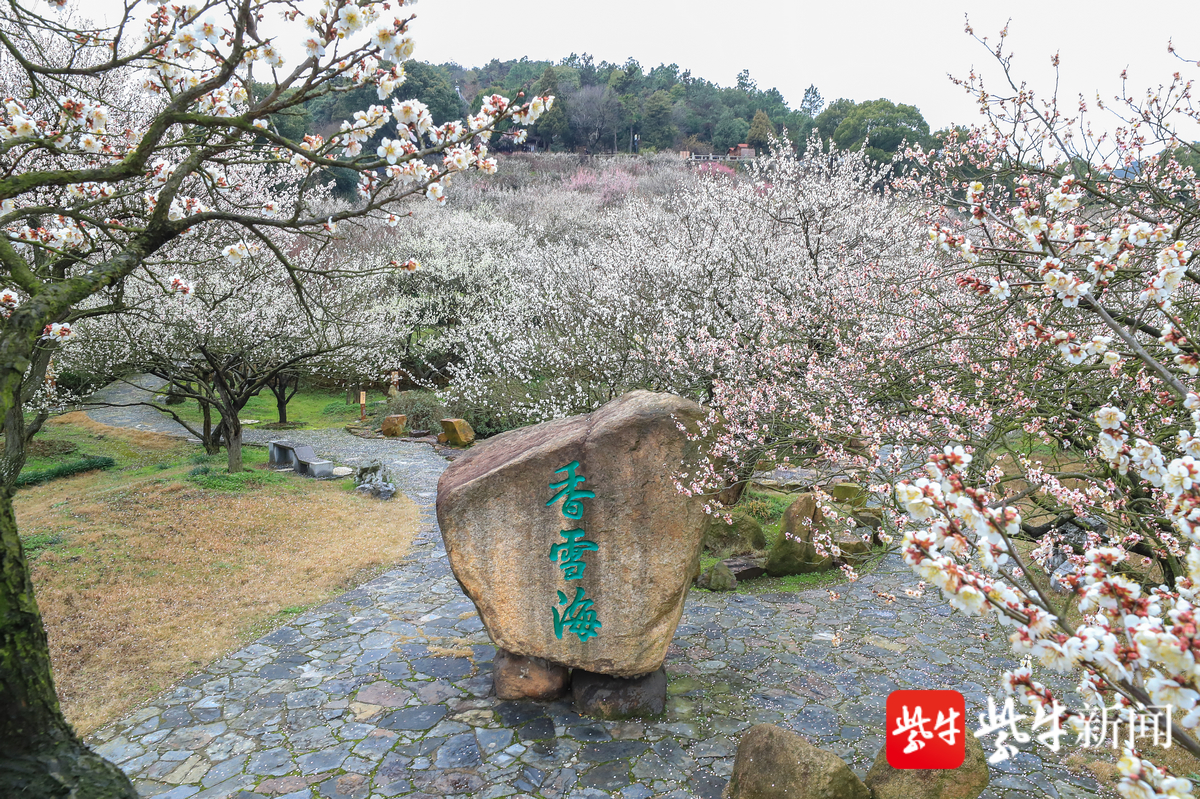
x=767, y=508
x=310, y=408
x=340, y=410
x=214, y=480
x=793, y=582
x=33, y=478
x=38, y=543
x=280, y=617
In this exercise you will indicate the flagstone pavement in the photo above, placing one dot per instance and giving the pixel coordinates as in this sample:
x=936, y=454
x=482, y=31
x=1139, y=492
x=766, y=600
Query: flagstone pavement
x=386, y=691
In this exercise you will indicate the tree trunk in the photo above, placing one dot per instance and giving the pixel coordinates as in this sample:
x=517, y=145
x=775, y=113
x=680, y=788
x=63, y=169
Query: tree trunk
x=284, y=386
x=40, y=755
x=14, y=446
x=233, y=444
x=210, y=439
x=17, y=433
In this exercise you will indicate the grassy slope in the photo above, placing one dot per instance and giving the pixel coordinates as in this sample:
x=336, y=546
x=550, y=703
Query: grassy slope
x=148, y=571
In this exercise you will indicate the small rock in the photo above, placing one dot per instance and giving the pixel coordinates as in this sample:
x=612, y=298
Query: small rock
x=342, y=471
x=965, y=782
x=373, y=481
x=850, y=493
x=794, y=552
x=1075, y=532
x=742, y=535
x=868, y=517
x=519, y=677
x=717, y=578
x=381, y=491
x=605, y=697
x=774, y=763
x=394, y=425
x=746, y=568
x=855, y=545
x=369, y=472
x=1057, y=579
x=1057, y=559
x=457, y=432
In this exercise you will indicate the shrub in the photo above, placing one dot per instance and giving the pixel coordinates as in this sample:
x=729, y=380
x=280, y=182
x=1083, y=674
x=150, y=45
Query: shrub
x=64, y=470
x=758, y=508
x=423, y=409
x=764, y=507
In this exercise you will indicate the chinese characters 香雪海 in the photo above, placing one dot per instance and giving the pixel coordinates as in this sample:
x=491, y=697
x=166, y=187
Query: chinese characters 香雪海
x=578, y=616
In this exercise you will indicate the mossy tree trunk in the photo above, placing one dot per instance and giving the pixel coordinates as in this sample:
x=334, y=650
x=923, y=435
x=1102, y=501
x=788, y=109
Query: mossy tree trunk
x=19, y=431
x=41, y=757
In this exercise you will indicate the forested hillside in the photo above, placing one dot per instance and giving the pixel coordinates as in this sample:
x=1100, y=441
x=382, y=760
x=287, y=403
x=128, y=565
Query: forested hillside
x=607, y=107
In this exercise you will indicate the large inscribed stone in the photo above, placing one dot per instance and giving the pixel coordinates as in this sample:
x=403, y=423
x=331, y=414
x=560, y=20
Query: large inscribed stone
x=571, y=538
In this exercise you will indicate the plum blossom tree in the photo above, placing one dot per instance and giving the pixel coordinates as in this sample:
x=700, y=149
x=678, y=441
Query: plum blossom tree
x=231, y=331
x=117, y=142
x=1075, y=257
x=761, y=298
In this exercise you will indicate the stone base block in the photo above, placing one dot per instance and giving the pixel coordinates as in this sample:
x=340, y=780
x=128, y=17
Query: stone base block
x=520, y=677
x=318, y=469
x=604, y=697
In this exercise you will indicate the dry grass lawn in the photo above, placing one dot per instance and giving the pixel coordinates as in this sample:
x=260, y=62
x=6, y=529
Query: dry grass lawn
x=145, y=578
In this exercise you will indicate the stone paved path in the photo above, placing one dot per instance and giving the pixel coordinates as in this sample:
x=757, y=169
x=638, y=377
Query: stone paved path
x=385, y=691
x=139, y=388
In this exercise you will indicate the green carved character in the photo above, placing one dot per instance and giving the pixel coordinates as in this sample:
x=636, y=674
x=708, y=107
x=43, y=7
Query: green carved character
x=569, y=555
x=578, y=617
x=568, y=493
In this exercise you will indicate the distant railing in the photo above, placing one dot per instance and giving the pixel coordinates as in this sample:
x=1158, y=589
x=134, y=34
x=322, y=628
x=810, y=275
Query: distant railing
x=715, y=157
x=683, y=154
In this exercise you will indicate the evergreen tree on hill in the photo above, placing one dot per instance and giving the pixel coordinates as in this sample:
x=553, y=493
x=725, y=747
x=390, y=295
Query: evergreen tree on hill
x=761, y=130
x=881, y=126
x=554, y=128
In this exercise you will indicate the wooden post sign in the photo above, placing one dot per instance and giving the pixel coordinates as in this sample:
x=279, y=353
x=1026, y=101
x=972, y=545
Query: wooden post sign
x=362, y=406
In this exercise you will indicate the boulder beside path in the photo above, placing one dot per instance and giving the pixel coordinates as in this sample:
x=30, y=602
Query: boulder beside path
x=571, y=537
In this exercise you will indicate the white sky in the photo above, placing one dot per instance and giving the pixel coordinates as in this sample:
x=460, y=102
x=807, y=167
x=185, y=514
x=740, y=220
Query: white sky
x=862, y=50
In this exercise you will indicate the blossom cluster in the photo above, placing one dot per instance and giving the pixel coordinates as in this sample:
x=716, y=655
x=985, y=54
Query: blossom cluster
x=1074, y=259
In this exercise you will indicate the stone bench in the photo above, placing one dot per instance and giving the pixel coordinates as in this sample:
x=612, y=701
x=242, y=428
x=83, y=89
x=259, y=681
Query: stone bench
x=307, y=463
x=299, y=457
x=281, y=455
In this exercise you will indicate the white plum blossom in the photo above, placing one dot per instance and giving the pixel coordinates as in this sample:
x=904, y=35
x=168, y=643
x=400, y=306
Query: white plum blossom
x=61, y=333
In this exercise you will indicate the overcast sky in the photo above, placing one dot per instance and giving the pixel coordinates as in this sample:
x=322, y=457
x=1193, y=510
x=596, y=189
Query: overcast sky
x=861, y=50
